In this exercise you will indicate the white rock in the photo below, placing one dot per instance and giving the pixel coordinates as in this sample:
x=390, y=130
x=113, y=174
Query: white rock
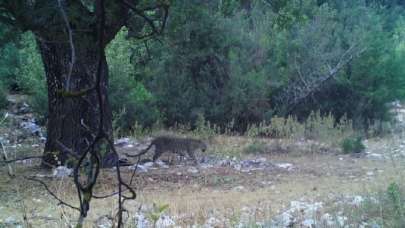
x=375, y=156
x=309, y=209
x=10, y=220
x=192, y=170
x=212, y=222
x=165, y=221
x=266, y=183
x=31, y=127
x=328, y=219
x=162, y=164
x=287, y=166
x=357, y=201
x=283, y=220
x=239, y=188
x=141, y=221
x=104, y=222
x=139, y=168
x=62, y=171
x=363, y=225
x=370, y=173
x=206, y=166
x=148, y=164
x=122, y=142
x=308, y=223
x=341, y=220
x=237, y=167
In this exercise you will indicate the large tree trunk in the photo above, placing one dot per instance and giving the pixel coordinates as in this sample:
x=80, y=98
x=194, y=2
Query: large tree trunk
x=73, y=120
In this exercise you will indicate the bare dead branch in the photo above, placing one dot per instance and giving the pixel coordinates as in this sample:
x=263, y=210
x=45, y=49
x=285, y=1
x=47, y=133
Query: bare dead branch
x=61, y=202
x=140, y=12
x=301, y=89
x=66, y=150
x=5, y=158
x=20, y=159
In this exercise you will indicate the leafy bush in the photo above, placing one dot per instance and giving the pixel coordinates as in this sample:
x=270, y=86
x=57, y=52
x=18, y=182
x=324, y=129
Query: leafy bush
x=397, y=200
x=205, y=129
x=3, y=99
x=352, y=145
x=232, y=63
x=31, y=75
x=322, y=128
x=131, y=102
x=256, y=147
x=385, y=209
x=9, y=62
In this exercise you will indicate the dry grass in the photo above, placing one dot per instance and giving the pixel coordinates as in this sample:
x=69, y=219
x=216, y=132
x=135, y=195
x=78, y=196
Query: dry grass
x=316, y=178
x=321, y=173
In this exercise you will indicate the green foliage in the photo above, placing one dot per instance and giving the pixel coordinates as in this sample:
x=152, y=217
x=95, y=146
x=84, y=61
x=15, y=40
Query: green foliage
x=385, y=209
x=130, y=101
x=190, y=78
x=395, y=195
x=205, y=129
x=31, y=75
x=256, y=148
x=195, y=71
x=3, y=98
x=230, y=61
x=21, y=69
x=157, y=212
x=352, y=145
x=9, y=63
x=323, y=128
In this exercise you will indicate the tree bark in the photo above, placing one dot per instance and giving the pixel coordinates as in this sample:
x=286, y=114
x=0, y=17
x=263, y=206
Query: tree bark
x=74, y=120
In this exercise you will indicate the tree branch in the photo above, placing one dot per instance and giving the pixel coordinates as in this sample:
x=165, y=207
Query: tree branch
x=61, y=202
x=140, y=12
x=72, y=46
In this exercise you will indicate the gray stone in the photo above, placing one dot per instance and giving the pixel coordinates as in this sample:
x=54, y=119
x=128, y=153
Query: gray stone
x=308, y=223
x=141, y=221
x=165, y=221
x=62, y=171
x=239, y=188
x=139, y=168
x=287, y=166
x=192, y=170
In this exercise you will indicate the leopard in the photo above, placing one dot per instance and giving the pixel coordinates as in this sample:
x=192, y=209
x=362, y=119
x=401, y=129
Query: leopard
x=175, y=145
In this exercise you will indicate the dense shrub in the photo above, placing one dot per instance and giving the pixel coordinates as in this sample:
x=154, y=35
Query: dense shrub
x=31, y=76
x=9, y=63
x=256, y=148
x=233, y=63
x=352, y=145
x=130, y=101
x=244, y=62
x=386, y=208
x=198, y=71
x=3, y=98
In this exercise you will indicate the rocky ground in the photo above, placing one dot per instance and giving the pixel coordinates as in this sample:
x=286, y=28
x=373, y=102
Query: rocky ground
x=292, y=184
